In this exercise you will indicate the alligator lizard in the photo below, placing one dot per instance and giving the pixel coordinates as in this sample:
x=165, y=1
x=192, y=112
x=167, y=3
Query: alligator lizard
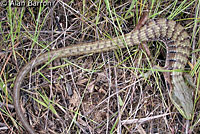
x=177, y=43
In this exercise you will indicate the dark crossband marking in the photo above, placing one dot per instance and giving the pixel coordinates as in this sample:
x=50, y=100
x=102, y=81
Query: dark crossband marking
x=139, y=35
x=174, y=30
x=175, y=46
x=170, y=29
x=160, y=29
x=172, y=54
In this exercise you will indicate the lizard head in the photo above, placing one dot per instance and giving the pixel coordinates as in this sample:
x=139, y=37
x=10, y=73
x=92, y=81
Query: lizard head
x=181, y=97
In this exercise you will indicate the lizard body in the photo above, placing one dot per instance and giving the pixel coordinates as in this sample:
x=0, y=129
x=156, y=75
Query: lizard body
x=177, y=43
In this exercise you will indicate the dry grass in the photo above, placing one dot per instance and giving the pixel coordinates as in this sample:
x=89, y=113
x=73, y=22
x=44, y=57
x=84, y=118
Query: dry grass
x=94, y=93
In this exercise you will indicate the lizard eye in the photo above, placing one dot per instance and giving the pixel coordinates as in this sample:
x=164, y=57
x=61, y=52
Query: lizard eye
x=181, y=107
